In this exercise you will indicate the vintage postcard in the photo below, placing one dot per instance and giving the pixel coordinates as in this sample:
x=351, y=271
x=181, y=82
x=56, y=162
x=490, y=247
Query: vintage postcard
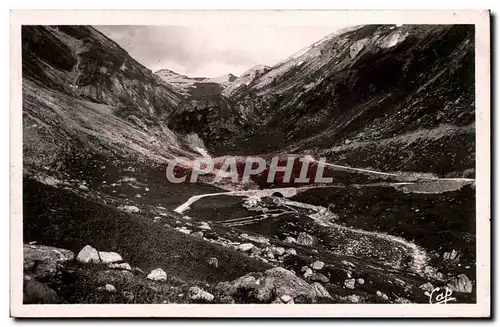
x=250, y=163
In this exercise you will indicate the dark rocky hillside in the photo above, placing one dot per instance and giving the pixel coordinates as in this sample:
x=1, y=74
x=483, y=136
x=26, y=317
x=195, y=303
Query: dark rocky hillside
x=386, y=97
x=207, y=113
x=84, y=96
x=90, y=66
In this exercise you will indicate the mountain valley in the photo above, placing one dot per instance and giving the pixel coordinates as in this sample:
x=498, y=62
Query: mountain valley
x=391, y=108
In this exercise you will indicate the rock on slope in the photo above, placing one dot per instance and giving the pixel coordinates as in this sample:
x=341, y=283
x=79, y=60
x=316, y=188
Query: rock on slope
x=381, y=96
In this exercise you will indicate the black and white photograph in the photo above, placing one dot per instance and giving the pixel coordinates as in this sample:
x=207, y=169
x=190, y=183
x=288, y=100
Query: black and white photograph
x=281, y=163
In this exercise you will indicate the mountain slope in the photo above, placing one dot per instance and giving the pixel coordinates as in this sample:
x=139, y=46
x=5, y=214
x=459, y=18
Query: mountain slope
x=83, y=95
x=393, y=98
x=245, y=79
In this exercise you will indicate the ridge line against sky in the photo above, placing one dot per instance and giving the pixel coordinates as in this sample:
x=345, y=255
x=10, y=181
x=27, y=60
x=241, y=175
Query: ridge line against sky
x=211, y=51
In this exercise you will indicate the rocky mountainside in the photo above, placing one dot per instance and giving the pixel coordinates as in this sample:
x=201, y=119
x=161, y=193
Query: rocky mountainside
x=94, y=68
x=84, y=96
x=205, y=111
x=393, y=98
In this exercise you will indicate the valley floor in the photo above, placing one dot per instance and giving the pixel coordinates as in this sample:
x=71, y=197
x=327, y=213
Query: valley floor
x=384, y=242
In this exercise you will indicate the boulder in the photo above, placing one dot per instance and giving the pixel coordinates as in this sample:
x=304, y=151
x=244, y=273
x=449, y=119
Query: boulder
x=245, y=247
x=278, y=250
x=350, y=283
x=317, y=265
x=321, y=291
x=129, y=209
x=290, y=240
x=35, y=292
x=83, y=187
x=318, y=277
x=157, y=274
x=43, y=261
x=308, y=272
x=382, y=295
x=353, y=298
x=271, y=286
x=107, y=288
x=110, y=257
x=461, y=284
x=246, y=282
x=110, y=288
x=305, y=239
x=286, y=299
x=279, y=281
x=204, y=226
x=88, y=255
x=183, y=230
x=214, y=262
x=243, y=283
x=360, y=281
x=291, y=251
x=197, y=293
x=226, y=288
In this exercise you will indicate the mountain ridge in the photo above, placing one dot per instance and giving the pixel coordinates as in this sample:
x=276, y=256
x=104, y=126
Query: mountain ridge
x=185, y=85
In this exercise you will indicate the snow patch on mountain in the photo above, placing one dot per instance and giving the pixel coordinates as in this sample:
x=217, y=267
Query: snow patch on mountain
x=223, y=80
x=393, y=39
x=183, y=84
x=246, y=78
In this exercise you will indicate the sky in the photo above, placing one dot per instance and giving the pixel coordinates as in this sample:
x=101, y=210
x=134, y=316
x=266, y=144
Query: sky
x=210, y=51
